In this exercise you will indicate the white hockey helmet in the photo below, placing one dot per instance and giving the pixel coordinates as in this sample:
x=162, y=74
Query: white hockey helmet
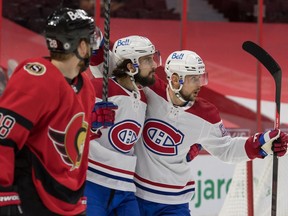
x=185, y=63
x=133, y=47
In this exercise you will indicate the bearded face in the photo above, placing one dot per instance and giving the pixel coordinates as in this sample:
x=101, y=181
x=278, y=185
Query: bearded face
x=145, y=80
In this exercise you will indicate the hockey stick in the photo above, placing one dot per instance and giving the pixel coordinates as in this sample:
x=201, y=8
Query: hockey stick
x=106, y=49
x=274, y=69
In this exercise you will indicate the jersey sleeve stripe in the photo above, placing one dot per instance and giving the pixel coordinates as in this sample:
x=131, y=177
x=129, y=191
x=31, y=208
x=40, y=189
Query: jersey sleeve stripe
x=19, y=119
x=9, y=143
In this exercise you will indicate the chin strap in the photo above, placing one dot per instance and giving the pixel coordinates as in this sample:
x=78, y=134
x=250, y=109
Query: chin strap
x=136, y=88
x=85, y=60
x=177, y=91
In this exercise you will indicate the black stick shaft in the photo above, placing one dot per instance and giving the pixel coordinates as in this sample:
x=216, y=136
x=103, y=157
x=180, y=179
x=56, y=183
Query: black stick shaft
x=277, y=78
x=274, y=69
x=106, y=50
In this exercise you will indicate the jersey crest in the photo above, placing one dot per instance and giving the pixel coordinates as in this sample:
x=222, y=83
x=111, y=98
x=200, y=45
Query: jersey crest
x=70, y=143
x=161, y=137
x=124, y=134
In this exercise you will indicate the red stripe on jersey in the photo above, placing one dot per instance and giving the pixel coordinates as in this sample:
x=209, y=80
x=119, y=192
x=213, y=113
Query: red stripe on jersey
x=163, y=185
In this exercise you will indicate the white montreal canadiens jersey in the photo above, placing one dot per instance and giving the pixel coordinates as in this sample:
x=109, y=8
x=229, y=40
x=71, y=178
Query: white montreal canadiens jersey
x=111, y=157
x=162, y=173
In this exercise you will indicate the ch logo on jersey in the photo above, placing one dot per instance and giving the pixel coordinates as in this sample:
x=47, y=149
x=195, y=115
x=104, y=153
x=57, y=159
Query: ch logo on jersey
x=70, y=143
x=161, y=138
x=123, y=135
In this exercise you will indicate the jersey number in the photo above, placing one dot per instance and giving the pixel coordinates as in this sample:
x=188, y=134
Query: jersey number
x=6, y=124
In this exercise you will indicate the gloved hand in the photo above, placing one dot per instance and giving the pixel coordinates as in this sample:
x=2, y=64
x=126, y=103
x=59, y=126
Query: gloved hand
x=99, y=40
x=193, y=152
x=262, y=144
x=103, y=115
x=97, y=56
x=279, y=146
x=9, y=202
x=95, y=134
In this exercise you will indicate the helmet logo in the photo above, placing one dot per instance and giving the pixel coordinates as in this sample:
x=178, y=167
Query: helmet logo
x=76, y=15
x=199, y=60
x=177, y=56
x=66, y=46
x=123, y=42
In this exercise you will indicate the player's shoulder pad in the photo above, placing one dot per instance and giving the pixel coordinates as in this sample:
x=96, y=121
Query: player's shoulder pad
x=206, y=110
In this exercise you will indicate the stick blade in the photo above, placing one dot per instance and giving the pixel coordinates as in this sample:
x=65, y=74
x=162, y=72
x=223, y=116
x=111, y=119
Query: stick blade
x=261, y=55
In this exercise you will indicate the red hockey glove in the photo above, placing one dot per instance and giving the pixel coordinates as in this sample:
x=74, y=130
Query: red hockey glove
x=103, y=115
x=9, y=202
x=262, y=144
x=95, y=134
x=193, y=152
x=279, y=146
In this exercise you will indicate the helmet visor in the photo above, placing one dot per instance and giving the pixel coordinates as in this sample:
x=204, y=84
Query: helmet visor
x=153, y=60
x=202, y=79
x=157, y=58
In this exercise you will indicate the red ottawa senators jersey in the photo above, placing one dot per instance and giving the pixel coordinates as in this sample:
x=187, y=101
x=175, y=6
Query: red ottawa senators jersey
x=45, y=120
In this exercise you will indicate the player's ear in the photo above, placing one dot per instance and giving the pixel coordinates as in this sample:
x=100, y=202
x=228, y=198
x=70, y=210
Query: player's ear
x=130, y=67
x=83, y=48
x=175, y=80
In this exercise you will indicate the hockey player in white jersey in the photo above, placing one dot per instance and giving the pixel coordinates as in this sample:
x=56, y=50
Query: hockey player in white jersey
x=110, y=189
x=177, y=121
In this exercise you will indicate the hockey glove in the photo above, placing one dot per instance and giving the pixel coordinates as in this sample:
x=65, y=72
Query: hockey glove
x=279, y=146
x=95, y=134
x=193, y=152
x=97, y=50
x=262, y=144
x=9, y=202
x=103, y=115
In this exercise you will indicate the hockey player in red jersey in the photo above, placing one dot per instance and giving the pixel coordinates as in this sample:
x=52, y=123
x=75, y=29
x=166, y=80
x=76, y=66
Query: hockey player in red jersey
x=110, y=189
x=45, y=116
x=177, y=121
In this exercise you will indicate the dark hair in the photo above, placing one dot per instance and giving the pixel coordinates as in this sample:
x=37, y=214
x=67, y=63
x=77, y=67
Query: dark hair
x=121, y=69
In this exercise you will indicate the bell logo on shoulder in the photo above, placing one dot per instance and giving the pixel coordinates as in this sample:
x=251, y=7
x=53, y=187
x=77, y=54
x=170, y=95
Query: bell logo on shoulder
x=123, y=42
x=177, y=55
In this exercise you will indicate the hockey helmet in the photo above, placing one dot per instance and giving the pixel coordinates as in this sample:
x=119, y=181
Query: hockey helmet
x=185, y=63
x=66, y=27
x=133, y=47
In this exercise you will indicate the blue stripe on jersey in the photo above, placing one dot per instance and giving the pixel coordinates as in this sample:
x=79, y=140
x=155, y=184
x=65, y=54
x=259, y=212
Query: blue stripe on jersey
x=109, y=175
x=164, y=192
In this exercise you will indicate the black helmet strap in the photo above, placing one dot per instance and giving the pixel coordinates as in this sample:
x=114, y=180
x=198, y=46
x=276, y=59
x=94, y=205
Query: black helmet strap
x=85, y=60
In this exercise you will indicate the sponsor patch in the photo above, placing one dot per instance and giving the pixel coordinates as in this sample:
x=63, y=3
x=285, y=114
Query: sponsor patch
x=35, y=68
